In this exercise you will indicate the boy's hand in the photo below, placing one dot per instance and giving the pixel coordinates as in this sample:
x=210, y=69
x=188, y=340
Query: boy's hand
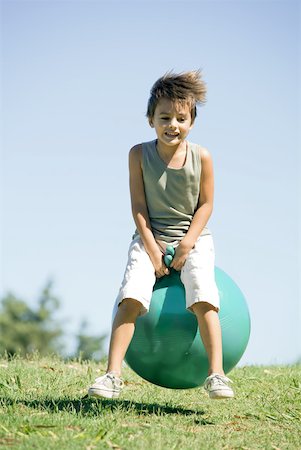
x=180, y=257
x=158, y=263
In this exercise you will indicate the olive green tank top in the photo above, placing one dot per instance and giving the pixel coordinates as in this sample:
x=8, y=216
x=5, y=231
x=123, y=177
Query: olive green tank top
x=172, y=195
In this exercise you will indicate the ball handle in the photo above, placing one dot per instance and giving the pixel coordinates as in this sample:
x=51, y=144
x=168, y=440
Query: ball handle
x=169, y=255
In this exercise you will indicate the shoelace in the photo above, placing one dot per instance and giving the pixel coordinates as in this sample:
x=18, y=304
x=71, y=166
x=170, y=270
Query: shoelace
x=220, y=379
x=115, y=380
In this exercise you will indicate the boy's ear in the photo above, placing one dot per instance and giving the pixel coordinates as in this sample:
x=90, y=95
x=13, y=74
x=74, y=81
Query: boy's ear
x=151, y=123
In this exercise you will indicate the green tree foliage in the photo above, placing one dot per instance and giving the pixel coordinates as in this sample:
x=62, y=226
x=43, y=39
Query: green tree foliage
x=25, y=329
x=89, y=347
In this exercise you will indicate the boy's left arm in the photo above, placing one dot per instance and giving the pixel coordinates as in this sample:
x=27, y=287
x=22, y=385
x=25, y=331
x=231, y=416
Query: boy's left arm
x=202, y=214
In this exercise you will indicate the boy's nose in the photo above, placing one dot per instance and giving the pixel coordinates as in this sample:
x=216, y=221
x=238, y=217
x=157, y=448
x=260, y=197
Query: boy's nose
x=173, y=123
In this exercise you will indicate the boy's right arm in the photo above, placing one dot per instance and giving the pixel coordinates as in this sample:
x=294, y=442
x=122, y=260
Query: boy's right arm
x=140, y=212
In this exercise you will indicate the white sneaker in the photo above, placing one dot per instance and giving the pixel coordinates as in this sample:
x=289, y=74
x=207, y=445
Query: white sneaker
x=217, y=386
x=108, y=386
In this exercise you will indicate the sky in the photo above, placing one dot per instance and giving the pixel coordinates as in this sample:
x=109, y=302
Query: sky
x=75, y=81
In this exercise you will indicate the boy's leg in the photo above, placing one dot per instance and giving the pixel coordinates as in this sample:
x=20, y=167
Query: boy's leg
x=138, y=282
x=216, y=384
x=110, y=384
x=202, y=298
x=139, y=279
x=122, y=332
x=210, y=331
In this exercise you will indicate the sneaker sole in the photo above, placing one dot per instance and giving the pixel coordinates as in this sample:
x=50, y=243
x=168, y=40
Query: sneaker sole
x=102, y=393
x=220, y=395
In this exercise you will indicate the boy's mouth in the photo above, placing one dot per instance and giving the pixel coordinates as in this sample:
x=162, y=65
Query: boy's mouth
x=172, y=135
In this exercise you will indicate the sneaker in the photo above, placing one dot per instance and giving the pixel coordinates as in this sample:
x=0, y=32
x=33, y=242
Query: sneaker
x=217, y=386
x=108, y=386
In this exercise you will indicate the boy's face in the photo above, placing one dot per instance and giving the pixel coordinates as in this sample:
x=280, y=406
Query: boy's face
x=172, y=121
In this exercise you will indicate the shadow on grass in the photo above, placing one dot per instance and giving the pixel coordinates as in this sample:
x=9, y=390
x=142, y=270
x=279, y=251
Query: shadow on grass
x=94, y=407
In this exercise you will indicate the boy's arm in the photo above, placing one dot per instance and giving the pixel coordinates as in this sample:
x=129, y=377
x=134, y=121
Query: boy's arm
x=202, y=214
x=140, y=212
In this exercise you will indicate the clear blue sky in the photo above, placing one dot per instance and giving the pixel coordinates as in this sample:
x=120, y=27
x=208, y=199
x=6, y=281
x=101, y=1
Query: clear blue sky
x=76, y=77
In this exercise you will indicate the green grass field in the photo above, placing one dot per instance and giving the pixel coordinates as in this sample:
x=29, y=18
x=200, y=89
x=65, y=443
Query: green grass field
x=44, y=406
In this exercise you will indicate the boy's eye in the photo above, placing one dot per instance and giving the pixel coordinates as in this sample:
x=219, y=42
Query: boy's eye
x=181, y=119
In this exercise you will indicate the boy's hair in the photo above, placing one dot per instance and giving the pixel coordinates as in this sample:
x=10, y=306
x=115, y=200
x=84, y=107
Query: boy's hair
x=185, y=87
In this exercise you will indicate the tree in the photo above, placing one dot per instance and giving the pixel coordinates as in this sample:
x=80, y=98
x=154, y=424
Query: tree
x=89, y=347
x=24, y=329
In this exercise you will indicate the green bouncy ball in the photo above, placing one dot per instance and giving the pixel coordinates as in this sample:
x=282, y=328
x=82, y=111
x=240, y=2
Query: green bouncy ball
x=167, y=349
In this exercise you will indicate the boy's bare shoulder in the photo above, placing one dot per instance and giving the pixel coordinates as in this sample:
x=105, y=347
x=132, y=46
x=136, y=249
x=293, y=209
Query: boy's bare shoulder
x=136, y=151
x=135, y=156
x=204, y=154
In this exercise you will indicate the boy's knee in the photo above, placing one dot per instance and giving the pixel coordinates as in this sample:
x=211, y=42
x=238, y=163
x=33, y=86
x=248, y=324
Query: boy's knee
x=130, y=306
x=203, y=308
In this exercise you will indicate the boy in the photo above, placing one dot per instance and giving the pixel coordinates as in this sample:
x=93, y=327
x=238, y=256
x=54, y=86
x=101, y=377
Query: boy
x=171, y=185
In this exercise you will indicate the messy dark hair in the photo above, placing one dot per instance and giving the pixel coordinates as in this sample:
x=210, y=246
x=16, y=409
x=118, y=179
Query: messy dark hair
x=185, y=87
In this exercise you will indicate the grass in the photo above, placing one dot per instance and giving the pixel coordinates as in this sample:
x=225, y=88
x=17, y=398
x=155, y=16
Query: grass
x=43, y=405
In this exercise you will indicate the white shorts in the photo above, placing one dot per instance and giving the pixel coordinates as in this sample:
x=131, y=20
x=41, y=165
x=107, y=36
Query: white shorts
x=197, y=275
